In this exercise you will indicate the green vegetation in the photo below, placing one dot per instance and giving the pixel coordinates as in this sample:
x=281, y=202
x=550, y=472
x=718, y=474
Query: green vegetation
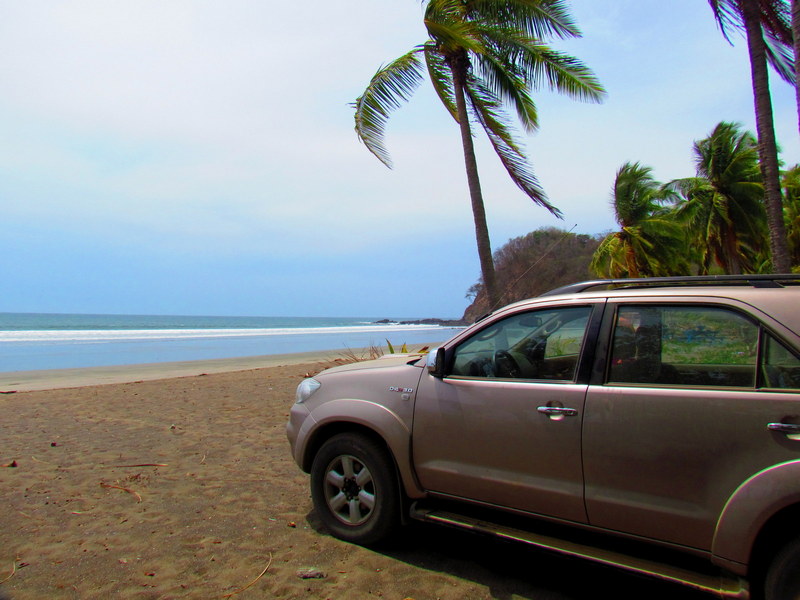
x=481, y=57
x=649, y=242
x=791, y=211
x=708, y=337
x=767, y=26
x=532, y=264
x=732, y=216
x=723, y=205
x=712, y=223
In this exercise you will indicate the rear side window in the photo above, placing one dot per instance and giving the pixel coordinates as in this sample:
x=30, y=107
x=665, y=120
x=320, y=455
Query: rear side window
x=780, y=368
x=684, y=345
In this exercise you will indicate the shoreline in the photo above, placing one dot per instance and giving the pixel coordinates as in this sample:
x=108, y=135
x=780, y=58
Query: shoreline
x=48, y=354
x=49, y=379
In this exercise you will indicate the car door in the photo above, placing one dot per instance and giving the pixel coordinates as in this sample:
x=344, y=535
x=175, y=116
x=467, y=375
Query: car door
x=503, y=426
x=678, y=415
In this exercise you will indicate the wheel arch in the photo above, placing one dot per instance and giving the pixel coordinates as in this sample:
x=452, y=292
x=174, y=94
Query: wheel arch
x=370, y=420
x=763, y=513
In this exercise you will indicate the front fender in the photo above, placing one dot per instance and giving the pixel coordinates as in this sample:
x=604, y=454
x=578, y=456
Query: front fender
x=749, y=508
x=370, y=415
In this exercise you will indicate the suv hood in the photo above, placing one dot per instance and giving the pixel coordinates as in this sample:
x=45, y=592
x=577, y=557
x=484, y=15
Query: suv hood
x=387, y=361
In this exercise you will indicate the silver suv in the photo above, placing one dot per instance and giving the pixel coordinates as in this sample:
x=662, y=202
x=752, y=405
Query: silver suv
x=652, y=424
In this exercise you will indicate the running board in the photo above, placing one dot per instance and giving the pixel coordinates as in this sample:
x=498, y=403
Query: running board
x=722, y=585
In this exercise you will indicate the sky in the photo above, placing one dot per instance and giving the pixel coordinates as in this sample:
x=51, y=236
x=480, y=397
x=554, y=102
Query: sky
x=198, y=157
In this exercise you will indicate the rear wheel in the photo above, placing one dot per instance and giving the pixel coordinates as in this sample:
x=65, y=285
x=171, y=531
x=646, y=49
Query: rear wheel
x=355, y=490
x=783, y=576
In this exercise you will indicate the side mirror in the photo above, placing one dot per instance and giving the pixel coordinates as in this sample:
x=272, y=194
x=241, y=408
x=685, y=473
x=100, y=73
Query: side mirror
x=436, y=362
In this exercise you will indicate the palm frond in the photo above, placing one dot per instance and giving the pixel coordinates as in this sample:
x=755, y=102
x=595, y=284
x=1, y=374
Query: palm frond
x=781, y=56
x=728, y=16
x=686, y=187
x=441, y=78
x=508, y=84
x=609, y=260
x=722, y=208
x=561, y=72
x=449, y=29
x=486, y=109
x=514, y=64
x=542, y=19
x=633, y=194
x=776, y=16
x=775, y=20
x=388, y=88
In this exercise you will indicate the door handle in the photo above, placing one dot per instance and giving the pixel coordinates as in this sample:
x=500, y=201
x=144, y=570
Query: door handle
x=788, y=428
x=554, y=411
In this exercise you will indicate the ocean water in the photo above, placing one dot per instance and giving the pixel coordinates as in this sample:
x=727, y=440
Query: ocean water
x=31, y=341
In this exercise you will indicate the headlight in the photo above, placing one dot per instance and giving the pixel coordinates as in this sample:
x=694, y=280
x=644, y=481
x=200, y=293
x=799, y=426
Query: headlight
x=305, y=389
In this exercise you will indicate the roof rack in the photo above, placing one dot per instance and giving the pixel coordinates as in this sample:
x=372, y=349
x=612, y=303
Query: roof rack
x=771, y=280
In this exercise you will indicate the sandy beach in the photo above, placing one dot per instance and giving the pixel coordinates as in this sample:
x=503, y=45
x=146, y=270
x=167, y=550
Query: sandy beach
x=184, y=488
x=26, y=381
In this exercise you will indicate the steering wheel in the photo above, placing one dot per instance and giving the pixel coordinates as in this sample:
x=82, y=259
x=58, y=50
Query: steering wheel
x=506, y=365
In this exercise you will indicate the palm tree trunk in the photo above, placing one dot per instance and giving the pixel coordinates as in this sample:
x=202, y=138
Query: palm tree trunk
x=630, y=256
x=767, y=146
x=733, y=256
x=458, y=68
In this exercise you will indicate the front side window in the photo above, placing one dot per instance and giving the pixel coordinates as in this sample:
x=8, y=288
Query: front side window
x=684, y=345
x=543, y=344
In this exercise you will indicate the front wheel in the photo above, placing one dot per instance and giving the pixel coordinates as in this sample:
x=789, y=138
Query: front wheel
x=354, y=488
x=783, y=577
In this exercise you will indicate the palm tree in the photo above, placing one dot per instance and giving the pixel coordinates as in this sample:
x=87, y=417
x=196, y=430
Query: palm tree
x=791, y=210
x=766, y=24
x=723, y=205
x=650, y=242
x=480, y=56
x=796, y=38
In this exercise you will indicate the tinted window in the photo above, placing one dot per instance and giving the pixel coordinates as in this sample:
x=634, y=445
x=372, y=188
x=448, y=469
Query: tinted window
x=683, y=345
x=779, y=366
x=541, y=344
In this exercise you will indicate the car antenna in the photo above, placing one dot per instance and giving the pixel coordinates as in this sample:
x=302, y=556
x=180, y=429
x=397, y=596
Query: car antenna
x=517, y=280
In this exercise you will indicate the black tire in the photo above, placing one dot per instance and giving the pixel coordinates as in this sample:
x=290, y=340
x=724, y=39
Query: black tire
x=355, y=490
x=783, y=576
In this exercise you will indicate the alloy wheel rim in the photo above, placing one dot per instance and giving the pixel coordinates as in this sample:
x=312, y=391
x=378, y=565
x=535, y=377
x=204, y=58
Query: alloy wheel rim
x=349, y=490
